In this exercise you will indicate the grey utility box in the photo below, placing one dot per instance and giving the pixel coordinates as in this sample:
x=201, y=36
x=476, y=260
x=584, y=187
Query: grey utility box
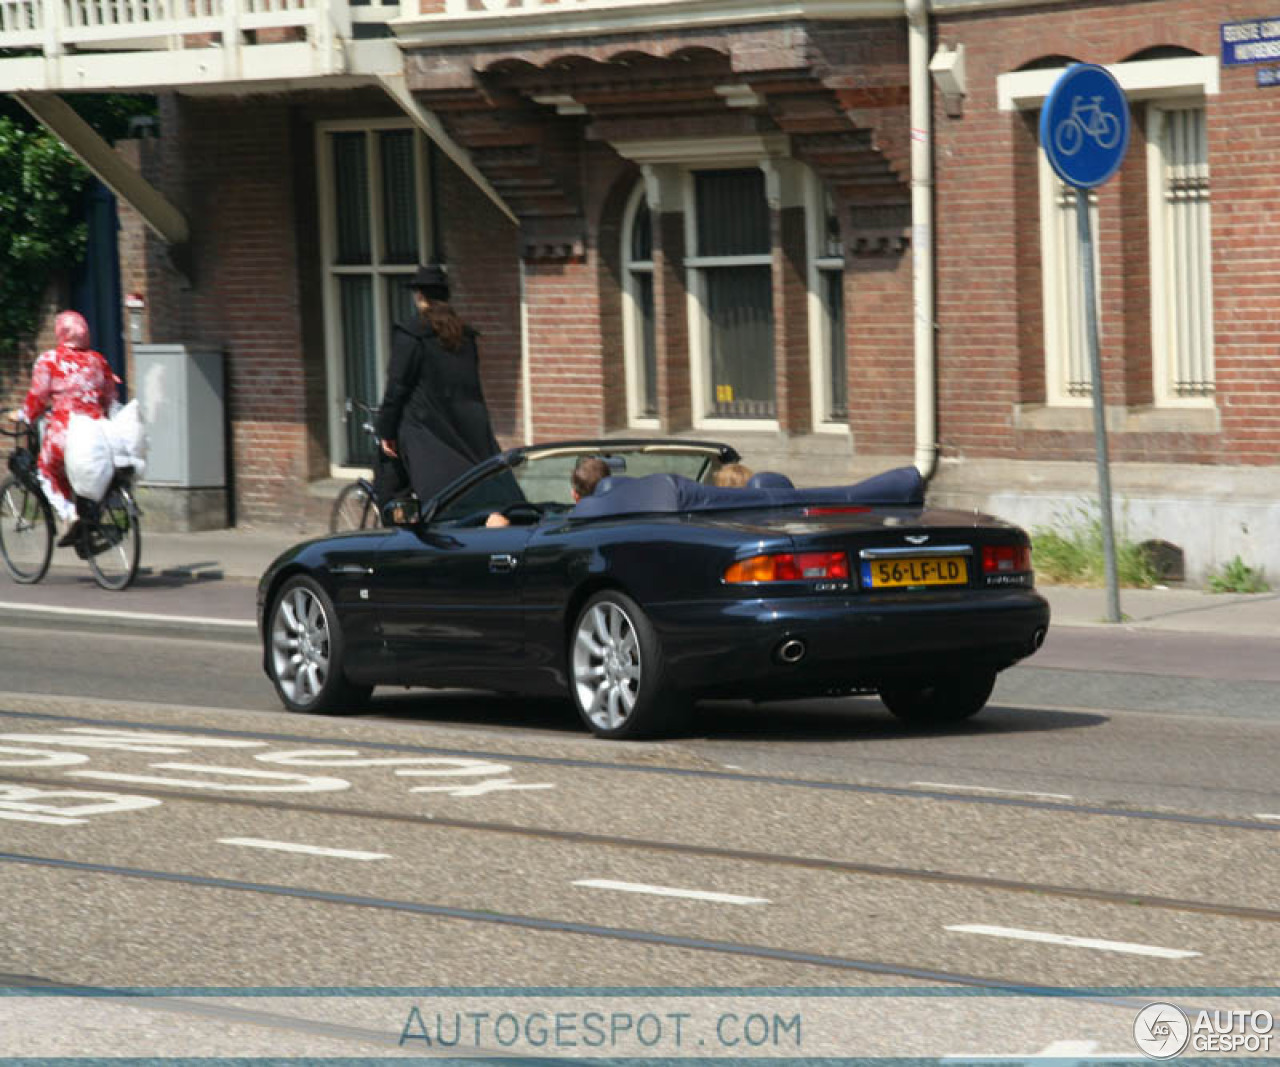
x=180, y=391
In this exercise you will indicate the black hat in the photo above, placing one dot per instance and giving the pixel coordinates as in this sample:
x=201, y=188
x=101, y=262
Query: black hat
x=432, y=280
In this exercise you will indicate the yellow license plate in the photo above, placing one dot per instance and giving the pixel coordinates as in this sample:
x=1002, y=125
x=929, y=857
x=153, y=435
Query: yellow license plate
x=899, y=573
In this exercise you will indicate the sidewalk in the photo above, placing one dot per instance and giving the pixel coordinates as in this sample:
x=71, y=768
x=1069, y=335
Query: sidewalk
x=203, y=584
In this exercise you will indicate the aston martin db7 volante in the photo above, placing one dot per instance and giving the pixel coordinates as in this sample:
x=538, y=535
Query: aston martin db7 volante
x=656, y=590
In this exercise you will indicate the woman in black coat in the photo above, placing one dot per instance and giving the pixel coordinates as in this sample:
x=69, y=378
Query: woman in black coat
x=433, y=415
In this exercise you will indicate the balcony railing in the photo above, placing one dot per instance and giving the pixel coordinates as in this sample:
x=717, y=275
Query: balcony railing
x=70, y=44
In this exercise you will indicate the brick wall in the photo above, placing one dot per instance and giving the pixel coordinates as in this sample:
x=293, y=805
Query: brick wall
x=990, y=353
x=481, y=246
x=564, y=347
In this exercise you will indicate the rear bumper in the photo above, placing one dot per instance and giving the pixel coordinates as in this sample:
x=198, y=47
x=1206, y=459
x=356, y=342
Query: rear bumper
x=737, y=647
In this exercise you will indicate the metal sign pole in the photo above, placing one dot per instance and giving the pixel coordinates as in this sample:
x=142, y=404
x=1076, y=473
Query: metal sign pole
x=1084, y=132
x=1099, y=408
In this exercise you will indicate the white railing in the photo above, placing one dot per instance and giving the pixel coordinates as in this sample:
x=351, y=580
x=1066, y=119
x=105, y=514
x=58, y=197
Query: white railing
x=54, y=25
x=468, y=7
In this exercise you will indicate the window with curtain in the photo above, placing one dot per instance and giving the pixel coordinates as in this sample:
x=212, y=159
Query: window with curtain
x=376, y=230
x=831, y=398
x=734, y=286
x=641, y=349
x=1181, y=266
x=1068, y=378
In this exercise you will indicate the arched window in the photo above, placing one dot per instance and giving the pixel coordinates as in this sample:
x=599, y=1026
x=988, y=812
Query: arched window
x=829, y=369
x=637, y=319
x=731, y=287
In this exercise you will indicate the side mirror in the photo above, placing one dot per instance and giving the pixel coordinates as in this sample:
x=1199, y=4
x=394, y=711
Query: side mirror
x=401, y=512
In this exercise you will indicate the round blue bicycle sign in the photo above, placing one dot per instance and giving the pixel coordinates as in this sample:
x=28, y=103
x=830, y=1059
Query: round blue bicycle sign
x=1084, y=125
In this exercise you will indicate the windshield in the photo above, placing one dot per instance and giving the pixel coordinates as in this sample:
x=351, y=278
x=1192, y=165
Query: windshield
x=542, y=479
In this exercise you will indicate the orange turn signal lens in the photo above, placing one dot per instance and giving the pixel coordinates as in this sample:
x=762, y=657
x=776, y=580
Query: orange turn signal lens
x=789, y=567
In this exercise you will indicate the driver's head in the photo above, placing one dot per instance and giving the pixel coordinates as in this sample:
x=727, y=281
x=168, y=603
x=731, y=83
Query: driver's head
x=587, y=473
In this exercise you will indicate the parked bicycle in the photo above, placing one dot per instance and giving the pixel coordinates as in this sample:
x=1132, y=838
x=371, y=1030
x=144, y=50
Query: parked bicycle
x=109, y=538
x=357, y=505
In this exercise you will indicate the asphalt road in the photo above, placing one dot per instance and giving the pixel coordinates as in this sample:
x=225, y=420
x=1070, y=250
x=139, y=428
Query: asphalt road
x=165, y=825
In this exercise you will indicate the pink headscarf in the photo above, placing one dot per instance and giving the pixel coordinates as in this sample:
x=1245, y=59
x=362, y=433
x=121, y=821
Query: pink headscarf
x=71, y=330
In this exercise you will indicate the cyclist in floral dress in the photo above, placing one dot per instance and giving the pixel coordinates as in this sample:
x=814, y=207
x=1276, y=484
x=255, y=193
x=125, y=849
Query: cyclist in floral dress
x=67, y=379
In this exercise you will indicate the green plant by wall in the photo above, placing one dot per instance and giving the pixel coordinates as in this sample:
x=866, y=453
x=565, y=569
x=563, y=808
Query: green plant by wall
x=42, y=186
x=40, y=233
x=1238, y=577
x=1071, y=552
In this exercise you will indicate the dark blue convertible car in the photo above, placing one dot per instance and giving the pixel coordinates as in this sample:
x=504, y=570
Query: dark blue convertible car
x=658, y=589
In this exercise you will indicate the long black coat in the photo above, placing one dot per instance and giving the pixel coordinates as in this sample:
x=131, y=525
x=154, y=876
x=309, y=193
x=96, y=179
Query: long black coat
x=434, y=407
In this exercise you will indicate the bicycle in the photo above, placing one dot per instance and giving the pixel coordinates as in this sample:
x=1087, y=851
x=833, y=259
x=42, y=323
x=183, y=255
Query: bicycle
x=109, y=536
x=357, y=505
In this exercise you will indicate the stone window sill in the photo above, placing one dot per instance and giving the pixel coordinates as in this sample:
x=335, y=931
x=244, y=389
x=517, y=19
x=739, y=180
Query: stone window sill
x=1119, y=420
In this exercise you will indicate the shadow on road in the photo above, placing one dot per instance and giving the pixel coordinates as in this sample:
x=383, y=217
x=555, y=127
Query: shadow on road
x=847, y=719
x=865, y=719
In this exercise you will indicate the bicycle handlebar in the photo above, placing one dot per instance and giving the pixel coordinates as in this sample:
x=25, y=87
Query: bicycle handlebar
x=370, y=411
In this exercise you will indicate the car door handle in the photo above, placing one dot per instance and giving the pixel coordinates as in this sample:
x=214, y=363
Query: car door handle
x=502, y=563
x=351, y=568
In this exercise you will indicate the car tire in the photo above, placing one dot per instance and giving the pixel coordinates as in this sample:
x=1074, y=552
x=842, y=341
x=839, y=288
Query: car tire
x=305, y=652
x=617, y=672
x=947, y=699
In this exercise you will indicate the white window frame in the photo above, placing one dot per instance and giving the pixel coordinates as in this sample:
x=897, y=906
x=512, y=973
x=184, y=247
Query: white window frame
x=687, y=157
x=696, y=268
x=376, y=270
x=1174, y=82
x=1065, y=342
x=820, y=346
x=1171, y=283
x=632, y=318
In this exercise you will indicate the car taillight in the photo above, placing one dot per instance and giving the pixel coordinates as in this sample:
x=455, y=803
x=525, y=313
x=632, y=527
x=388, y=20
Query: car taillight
x=1006, y=559
x=790, y=567
x=836, y=509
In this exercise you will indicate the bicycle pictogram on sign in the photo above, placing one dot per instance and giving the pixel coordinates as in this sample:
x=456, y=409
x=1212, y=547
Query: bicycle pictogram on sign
x=1087, y=120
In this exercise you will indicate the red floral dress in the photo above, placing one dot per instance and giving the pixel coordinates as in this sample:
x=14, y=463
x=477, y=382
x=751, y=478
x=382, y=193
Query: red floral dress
x=65, y=380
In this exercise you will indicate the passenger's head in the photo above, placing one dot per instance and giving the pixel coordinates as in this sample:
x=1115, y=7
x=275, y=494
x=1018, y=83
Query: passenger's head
x=731, y=476
x=587, y=473
x=71, y=330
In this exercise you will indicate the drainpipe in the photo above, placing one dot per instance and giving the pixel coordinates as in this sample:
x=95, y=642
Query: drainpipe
x=917, y=12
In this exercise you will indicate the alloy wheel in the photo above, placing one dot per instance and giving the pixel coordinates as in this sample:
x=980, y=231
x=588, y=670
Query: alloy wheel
x=300, y=646
x=607, y=668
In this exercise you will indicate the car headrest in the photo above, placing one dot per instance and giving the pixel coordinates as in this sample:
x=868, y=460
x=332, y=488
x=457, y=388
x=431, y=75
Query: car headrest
x=769, y=480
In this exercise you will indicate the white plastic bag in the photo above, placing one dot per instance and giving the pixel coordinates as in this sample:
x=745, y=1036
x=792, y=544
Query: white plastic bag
x=127, y=437
x=87, y=456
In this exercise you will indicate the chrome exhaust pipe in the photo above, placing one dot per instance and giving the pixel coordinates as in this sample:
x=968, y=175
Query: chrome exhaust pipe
x=1037, y=638
x=792, y=650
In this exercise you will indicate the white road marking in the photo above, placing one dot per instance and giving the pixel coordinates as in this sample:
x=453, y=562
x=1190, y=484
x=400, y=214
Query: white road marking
x=308, y=850
x=1083, y=1050
x=668, y=891
x=48, y=820
x=292, y=783
x=997, y=792
x=1076, y=942
x=130, y=616
x=1267, y=816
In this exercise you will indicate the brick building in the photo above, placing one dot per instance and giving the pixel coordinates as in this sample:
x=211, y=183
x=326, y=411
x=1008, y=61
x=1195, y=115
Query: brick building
x=759, y=223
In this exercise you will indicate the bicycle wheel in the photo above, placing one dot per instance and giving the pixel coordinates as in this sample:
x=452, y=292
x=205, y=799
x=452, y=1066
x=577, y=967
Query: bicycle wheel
x=355, y=509
x=1069, y=136
x=26, y=531
x=113, y=543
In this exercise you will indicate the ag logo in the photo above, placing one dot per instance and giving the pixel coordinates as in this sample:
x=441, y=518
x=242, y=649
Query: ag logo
x=1161, y=1031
